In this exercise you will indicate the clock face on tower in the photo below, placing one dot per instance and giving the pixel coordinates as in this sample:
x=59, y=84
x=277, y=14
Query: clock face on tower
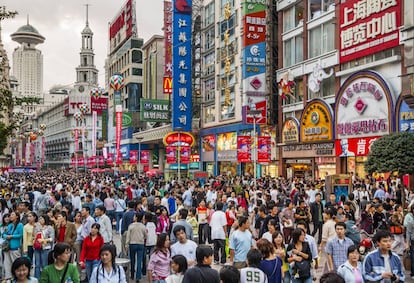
x=81, y=88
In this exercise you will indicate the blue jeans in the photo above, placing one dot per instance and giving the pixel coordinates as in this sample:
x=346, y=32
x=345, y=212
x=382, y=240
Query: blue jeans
x=40, y=261
x=307, y=280
x=118, y=216
x=136, y=252
x=412, y=257
x=90, y=264
x=147, y=252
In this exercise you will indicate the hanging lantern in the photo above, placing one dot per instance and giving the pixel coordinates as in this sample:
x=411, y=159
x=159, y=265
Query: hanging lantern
x=33, y=136
x=40, y=133
x=116, y=82
x=77, y=116
x=96, y=92
x=42, y=127
x=84, y=108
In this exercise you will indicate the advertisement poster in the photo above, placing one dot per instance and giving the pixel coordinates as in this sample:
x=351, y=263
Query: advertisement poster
x=209, y=143
x=171, y=154
x=110, y=159
x=185, y=152
x=227, y=141
x=133, y=157
x=244, y=148
x=354, y=146
x=118, y=132
x=263, y=149
x=101, y=161
x=91, y=161
x=145, y=155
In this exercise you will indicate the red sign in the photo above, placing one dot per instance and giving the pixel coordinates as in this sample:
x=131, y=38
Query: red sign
x=72, y=104
x=366, y=28
x=185, y=152
x=195, y=158
x=110, y=159
x=167, y=85
x=255, y=28
x=101, y=161
x=260, y=118
x=354, y=146
x=168, y=40
x=263, y=149
x=118, y=132
x=171, y=154
x=133, y=156
x=244, y=148
x=145, y=154
x=91, y=161
x=121, y=28
x=185, y=138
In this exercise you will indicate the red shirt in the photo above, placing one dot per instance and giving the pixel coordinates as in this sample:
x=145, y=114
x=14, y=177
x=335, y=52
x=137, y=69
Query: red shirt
x=90, y=249
x=62, y=231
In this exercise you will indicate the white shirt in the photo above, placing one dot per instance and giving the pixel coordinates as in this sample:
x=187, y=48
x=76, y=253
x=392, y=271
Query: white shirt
x=218, y=220
x=76, y=203
x=188, y=250
x=152, y=235
x=255, y=275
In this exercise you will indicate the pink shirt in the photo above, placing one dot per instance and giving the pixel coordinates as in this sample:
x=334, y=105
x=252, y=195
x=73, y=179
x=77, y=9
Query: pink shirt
x=109, y=204
x=159, y=264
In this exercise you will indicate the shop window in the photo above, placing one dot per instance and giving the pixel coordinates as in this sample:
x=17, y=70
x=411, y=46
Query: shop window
x=318, y=7
x=293, y=17
x=321, y=39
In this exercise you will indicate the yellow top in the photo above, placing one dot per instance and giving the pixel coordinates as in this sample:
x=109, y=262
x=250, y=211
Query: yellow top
x=28, y=238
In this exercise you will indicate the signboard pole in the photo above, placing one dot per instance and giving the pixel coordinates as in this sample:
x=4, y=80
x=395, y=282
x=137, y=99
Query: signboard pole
x=179, y=154
x=139, y=139
x=254, y=113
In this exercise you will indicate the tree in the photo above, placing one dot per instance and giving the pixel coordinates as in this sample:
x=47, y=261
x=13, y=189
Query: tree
x=6, y=113
x=392, y=153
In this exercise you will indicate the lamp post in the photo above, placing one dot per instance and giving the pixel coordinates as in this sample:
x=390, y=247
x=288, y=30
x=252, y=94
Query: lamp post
x=179, y=129
x=139, y=139
x=254, y=113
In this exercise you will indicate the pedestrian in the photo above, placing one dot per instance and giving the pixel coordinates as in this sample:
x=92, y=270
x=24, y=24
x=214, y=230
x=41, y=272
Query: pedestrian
x=120, y=208
x=135, y=244
x=107, y=270
x=77, y=246
x=270, y=264
x=184, y=246
x=163, y=221
x=382, y=265
x=13, y=234
x=60, y=270
x=317, y=217
x=44, y=238
x=178, y=268
x=328, y=227
x=299, y=256
x=240, y=243
x=229, y=274
x=21, y=271
x=150, y=227
x=28, y=238
x=252, y=273
x=218, y=224
x=127, y=219
x=337, y=248
x=280, y=251
x=105, y=223
x=202, y=271
x=159, y=264
x=182, y=216
x=272, y=228
x=89, y=257
x=65, y=230
x=351, y=270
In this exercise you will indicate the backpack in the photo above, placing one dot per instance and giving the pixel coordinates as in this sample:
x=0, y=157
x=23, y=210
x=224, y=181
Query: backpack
x=352, y=232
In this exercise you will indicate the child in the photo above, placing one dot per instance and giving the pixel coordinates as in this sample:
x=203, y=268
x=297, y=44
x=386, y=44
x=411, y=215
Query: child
x=254, y=256
x=193, y=221
x=178, y=267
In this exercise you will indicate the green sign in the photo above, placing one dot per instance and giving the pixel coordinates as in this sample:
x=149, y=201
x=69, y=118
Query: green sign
x=126, y=119
x=155, y=110
x=104, y=118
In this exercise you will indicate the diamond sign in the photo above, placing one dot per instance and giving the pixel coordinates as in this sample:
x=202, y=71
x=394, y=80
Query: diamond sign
x=256, y=83
x=360, y=106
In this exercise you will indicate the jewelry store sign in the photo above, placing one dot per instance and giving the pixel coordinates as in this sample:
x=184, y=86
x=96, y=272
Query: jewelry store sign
x=309, y=150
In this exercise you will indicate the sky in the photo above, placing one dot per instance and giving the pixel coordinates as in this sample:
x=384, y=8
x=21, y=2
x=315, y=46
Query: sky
x=61, y=23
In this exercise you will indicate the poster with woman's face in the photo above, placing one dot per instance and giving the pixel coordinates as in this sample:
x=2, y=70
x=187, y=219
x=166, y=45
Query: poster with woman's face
x=209, y=143
x=227, y=141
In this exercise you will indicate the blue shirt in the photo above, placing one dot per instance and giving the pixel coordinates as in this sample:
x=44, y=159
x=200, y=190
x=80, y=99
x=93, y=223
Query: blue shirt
x=338, y=250
x=17, y=235
x=240, y=242
x=273, y=269
x=373, y=266
x=127, y=219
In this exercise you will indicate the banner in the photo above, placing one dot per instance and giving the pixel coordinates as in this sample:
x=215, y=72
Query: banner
x=354, y=146
x=110, y=159
x=244, y=148
x=118, y=133
x=145, y=156
x=168, y=38
x=133, y=157
x=263, y=149
x=94, y=122
x=185, y=152
x=92, y=161
x=171, y=154
x=101, y=161
x=76, y=142
x=43, y=149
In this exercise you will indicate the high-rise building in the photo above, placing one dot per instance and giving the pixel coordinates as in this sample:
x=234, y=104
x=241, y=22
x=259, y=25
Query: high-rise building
x=28, y=61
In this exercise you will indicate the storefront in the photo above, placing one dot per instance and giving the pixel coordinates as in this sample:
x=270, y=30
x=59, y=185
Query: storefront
x=364, y=112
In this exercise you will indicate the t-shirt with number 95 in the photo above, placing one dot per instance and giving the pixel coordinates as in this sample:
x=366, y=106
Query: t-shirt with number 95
x=252, y=275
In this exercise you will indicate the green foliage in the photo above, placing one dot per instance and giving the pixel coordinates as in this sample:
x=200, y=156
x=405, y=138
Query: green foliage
x=6, y=112
x=392, y=153
x=27, y=100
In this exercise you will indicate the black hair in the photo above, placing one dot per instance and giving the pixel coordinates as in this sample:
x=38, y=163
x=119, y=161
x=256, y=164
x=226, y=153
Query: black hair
x=351, y=249
x=101, y=208
x=46, y=218
x=177, y=229
x=97, y=226
x=254, y=256
x=87, y=208
x=202, y=252
x=219, y=205
x=183, y=213
x=229, y=274
x=161, y=239
x=381, y=234
x=342, y=224
x=20, y=261
x=59, y=249
x=181, y=261
x=139, y=216
x=242, y=220
x=112, y=249
x=34, y=215
x=331, y=277
x=131, y=204
x=296, y=234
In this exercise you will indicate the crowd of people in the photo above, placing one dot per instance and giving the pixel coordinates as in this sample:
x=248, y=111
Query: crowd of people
x=264, y=230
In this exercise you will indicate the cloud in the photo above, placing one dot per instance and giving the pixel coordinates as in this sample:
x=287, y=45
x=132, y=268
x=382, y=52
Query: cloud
x=61, y=23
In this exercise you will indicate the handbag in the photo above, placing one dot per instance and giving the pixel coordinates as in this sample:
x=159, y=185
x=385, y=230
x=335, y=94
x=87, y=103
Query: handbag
x=407, y=260
x=303, y=268
x=5, y=246
x=37, y=245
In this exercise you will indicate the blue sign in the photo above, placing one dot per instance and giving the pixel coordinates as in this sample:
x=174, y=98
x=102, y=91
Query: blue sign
x=182, y=107
x=405, y=118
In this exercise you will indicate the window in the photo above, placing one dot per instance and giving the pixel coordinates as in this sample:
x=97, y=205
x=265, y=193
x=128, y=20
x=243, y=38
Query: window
x=297, y=95
x=293, y=51
x=318, y=7
x=209, y=64
x=293, y=17
x=209, y=89
x=321, y=39
x=136, y=56
x=209, y=39
x=136, y=72
x=209, y=14
x=209, y=114
x=327, y=88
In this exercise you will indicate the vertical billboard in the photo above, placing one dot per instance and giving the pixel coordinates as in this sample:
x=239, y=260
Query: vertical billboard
x=244, y=149
x=168, y=20
x=123, y=26
x=367, y=27
x=264, y=149
x=254, y=61
x=182, y=107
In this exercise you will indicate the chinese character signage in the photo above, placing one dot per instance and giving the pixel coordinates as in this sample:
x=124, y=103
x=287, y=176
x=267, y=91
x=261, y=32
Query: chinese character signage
x=182, y=74
x=405, y=118
x=171, y=154
x=145, y=155
x=354, y=146
x=244, y=149
x=263, y=149
x=316, y=122
x=168, y=19
x=290, y=131
x=133, y=157
x=123, y=26
x=254, y=61
x=368, y=26
x=364, y=106
x=155, y=110
x=185, y=152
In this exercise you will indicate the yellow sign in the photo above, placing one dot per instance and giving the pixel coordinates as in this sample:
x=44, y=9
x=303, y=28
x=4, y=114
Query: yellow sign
x=316, y=123
x=290, y=131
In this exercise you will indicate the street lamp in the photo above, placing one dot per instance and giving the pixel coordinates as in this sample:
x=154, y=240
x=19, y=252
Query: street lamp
x=254, y=113
x=139, y=139
x=179, y=129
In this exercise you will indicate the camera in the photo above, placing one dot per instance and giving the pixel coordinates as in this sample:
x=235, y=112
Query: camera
x=393, y=278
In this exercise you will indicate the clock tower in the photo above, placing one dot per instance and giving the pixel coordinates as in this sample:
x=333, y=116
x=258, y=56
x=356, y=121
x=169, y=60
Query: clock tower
x=86, y=72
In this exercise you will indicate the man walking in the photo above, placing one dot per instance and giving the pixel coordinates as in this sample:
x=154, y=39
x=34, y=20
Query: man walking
x=337, y=247
x=218, y=224
x=240, y=243
x=317, y=217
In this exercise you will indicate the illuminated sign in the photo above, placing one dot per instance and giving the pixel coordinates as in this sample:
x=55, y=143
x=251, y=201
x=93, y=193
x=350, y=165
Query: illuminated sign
x=167, y=85
x=354, y=146
x=155, y=110
x=174, y=138
x=290, y=131
x=72, y=103
x=316, y=122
